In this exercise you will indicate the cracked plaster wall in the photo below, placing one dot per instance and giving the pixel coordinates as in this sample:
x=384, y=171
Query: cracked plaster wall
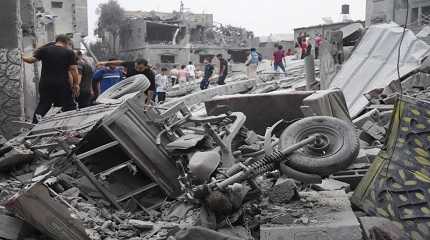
x=11, y=72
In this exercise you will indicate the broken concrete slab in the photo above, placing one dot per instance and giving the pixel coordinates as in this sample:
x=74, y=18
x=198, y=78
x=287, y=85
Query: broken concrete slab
x=326, y=103
x=372, y=115
x=333, y=219
x=14, y=157
x=371, y=66
x=373, y=130
x=145, y=225
x=283, y=191
x=203, y=96
x=262, y=110
x=379, y=226
x=332, y=185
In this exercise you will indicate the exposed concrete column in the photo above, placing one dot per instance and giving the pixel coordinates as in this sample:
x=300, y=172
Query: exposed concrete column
x=11, y=87
x=420, y=16
x=310, y=71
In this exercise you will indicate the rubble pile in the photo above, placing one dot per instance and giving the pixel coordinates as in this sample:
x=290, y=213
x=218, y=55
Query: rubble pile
x=131, y=171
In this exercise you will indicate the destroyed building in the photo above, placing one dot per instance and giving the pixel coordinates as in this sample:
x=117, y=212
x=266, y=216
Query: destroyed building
x=274, y=157
x=268, y=44
x=179, y=37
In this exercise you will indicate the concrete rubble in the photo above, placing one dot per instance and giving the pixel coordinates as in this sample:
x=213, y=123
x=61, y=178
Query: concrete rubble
x=222, y=163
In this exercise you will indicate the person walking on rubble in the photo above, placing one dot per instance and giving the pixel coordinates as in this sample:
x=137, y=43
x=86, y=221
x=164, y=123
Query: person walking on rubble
x=108, y=76
x=318, y=41
x=254, y=58
x=223, y=69
x=140, y=66
x=174, y=75
x=86, y=74
x=161, y=81
x=209, y=69
x=59, y=82
x=182, y=76
x=191, y=69
x=279, y=60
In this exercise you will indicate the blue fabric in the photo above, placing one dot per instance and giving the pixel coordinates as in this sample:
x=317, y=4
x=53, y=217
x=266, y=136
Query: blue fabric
x=108, y=77
x=254, y=58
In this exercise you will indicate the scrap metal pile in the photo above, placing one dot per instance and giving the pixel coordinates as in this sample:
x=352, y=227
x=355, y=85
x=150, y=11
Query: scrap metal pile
x=263, y=165
x=158, y=173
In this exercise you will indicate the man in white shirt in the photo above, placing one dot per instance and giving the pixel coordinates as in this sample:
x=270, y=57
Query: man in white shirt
x=191, y=69
x=161, y=81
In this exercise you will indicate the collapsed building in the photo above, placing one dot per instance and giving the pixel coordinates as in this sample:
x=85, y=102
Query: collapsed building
x=179, y=37
x=267, y=158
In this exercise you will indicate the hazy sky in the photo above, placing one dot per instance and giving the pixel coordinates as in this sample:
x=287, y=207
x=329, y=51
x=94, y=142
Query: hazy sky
x=261, y=16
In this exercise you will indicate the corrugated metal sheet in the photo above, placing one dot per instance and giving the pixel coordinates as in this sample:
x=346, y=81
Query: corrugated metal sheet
x=373, y=64
x=78, y=119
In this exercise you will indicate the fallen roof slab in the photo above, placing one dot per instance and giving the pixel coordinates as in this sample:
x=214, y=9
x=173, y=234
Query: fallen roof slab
x=374, y=63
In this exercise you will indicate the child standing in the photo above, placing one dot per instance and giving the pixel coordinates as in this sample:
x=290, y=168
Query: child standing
x=161, y=81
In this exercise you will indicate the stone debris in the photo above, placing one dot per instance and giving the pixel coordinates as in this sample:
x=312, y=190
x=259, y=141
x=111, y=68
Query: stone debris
x=283, y=191
x=209, y=164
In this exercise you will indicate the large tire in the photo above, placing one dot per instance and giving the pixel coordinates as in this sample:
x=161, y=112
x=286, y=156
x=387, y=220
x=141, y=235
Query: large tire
x=129, y=85
x=338, y=148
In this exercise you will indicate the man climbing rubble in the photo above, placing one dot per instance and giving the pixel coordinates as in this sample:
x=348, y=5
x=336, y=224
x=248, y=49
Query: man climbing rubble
x=223, y=69
x=56, y=87
x=279, y=59
x=209, y=69
x=252, y=62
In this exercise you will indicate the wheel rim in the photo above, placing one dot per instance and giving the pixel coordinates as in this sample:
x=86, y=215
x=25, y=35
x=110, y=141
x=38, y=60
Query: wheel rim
x=328, y=142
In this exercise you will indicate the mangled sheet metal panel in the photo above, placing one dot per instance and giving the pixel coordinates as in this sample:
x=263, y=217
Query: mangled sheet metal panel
x=75, y=120
x=137, y=132
x=373, y=64
x=397, y=185
x=49, y=216
x=123, y=160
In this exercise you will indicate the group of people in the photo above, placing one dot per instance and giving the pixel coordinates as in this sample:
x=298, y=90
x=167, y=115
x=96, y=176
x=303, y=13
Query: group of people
x=68, y=80
x=304, y=46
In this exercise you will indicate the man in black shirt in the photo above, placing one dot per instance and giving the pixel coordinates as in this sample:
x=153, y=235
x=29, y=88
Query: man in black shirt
x=56, y=87
x=223, y=69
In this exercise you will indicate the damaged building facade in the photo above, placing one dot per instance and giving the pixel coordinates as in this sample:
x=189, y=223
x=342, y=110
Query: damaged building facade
x=30, y=24
x=179, y=37
x=378, y=11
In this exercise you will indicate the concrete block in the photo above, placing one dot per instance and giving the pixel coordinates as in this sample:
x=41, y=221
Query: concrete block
x=373, y=226
x=283, y=191
x=141, y=224
x=374, y=130
x=332, y=185
x=332, y=219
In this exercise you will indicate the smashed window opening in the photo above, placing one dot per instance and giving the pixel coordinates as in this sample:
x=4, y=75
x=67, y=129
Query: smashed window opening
x=197, y=34
x=55, y=4
x=160, y=33
x=239, y=56
x=167, y=58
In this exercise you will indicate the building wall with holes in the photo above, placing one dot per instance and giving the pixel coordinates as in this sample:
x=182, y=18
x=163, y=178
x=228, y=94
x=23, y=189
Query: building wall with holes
x=381, y=11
